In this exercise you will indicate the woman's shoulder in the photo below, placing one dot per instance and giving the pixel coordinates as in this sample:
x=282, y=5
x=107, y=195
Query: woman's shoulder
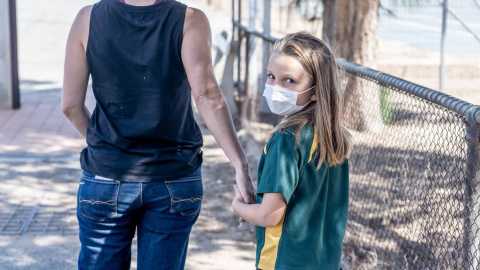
x=195, y=16
x=81, y=24
x=84, y=13
x=196, y=21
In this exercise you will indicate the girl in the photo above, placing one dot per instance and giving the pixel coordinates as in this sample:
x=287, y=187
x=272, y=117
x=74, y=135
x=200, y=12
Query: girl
x=302, y=203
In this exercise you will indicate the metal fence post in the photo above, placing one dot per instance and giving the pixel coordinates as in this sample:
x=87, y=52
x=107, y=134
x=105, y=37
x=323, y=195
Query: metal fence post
x=253, y=15
x=266, y=54
x=14, y=55
x=232, y=10
x=442, y=44
x=9, y=89
x=471, y=240
x=239, y=46
x=246, y=86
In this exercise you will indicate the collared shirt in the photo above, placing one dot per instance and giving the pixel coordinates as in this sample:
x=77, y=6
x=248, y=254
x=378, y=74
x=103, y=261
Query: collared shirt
x=310, y=234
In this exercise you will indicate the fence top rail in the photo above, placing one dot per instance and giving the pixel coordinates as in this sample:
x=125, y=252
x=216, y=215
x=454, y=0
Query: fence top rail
x=451, y=103
x=255, y=33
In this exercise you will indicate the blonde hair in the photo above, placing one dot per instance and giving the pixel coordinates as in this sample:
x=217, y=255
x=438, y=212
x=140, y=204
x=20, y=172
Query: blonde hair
x=324, y=115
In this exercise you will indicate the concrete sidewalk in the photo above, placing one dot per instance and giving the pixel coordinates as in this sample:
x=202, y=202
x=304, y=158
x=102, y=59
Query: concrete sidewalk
x=39, y=128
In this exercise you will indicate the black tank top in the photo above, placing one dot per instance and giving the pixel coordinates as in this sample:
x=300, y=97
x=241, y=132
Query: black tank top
x=142, y=128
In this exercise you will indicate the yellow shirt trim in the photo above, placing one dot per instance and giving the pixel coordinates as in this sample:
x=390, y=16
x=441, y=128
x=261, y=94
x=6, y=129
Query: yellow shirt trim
x=268, y=256
x=265, y=149
x=314, y=147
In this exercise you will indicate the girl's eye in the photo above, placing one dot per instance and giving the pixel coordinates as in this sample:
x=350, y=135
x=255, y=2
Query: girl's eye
x=270, y=76
x=289, y=80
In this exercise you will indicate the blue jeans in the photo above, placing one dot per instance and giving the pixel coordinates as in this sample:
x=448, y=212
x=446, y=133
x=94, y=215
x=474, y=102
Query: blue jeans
x=163, y=214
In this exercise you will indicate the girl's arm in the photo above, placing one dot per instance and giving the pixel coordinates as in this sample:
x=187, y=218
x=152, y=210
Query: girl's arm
x=267, y=214
x=76, y=73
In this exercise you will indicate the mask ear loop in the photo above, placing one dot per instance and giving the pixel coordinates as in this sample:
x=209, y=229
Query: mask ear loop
x=305, y=105
x=307, y=90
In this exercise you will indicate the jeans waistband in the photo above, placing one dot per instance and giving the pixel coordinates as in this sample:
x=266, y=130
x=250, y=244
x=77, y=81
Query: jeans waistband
x=195, y=174
x=89, y=175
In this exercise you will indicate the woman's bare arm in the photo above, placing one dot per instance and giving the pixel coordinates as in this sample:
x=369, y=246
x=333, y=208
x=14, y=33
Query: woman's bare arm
x=76, y=73
x=197, y=59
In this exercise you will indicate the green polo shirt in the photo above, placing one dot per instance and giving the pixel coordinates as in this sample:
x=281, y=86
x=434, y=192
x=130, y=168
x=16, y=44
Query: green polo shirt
x=310, y=235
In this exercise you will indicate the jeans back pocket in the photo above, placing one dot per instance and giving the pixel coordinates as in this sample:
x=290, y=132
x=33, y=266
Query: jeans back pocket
x=97, y=198
x=186, y=196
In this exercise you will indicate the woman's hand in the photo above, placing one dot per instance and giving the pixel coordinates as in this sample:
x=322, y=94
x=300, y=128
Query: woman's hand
x=245, y=185
x=237, y=197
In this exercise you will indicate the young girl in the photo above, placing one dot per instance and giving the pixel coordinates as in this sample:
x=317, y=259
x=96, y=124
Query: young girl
x=302, y=203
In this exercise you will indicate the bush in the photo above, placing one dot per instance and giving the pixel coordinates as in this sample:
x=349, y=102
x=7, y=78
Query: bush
x=386, y=107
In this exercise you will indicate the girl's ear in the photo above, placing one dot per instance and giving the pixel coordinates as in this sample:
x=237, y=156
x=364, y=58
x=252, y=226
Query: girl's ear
x=313, y=97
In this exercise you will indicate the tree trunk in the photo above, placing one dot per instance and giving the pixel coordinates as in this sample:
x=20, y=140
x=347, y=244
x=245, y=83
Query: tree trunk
x=350, y=26
x=290, y=15
x=328, y=20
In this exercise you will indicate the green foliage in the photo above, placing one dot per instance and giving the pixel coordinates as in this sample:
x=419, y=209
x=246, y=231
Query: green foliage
x=386, y=107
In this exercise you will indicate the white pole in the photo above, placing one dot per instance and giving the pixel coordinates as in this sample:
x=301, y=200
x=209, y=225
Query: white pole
x=266, y=54
x=253, y=15
x=442, y=45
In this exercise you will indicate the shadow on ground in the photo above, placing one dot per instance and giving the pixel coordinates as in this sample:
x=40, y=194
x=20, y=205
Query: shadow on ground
x=51, y=183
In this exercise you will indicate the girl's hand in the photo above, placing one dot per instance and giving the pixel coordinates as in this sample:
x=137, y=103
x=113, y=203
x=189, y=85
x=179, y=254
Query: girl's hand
x=238, y=199
x=266, y=214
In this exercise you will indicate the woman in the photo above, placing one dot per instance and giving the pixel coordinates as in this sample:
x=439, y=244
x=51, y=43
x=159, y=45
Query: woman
x=142, y=163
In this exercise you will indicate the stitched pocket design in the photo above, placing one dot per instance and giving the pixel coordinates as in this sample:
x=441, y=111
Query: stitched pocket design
x=185, y=196
x=97, y=198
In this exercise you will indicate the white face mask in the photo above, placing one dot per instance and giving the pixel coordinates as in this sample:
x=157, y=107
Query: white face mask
x=282, y=101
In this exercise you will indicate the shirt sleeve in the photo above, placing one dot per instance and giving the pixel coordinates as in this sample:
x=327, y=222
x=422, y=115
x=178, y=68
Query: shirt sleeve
x=280, y=169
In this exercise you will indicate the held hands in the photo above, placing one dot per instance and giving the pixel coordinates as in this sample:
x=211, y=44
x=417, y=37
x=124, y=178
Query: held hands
x=238, y=199
x=245, y=186
x=244, y=190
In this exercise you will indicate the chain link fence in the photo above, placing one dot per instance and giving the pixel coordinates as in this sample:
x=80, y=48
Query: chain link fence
x=409, y=37
x=410, y=40
x=414, y=175
x=414, y=168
